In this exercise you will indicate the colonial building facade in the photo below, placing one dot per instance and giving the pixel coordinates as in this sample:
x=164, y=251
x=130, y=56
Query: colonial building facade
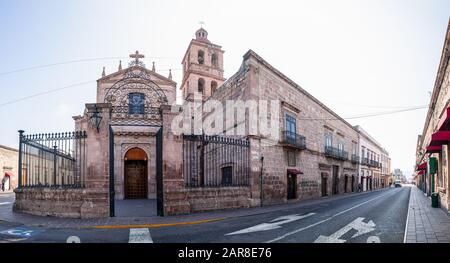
x=432, y=152
x=374, y=162
x=126, y=144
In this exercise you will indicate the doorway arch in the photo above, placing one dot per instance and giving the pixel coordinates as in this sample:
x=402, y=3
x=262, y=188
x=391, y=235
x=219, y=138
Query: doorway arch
x=136, y=176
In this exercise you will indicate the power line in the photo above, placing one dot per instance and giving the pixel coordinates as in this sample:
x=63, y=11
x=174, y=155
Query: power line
x=46, y=92
x=69, y=62
x=369, y=114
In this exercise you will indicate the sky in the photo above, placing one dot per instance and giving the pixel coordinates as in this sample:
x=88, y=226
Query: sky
x=357, y=57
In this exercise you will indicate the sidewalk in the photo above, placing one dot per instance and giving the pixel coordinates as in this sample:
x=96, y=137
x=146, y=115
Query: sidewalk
x=426, y=224
x=6, y=214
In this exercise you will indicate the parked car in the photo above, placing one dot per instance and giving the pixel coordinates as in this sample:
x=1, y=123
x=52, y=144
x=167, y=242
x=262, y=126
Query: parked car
x=398, y=183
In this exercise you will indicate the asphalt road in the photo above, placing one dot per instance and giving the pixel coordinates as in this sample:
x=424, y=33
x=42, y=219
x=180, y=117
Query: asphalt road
x=378, y=216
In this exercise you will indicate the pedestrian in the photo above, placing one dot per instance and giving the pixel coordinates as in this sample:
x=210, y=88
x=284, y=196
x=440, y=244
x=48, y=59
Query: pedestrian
x=359, y=187
x=3, y=184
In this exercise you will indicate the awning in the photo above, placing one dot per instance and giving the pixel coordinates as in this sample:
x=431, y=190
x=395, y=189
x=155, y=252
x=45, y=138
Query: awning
x=294, y=171
x=440, y=138
x=422, y=166
x=9, y=174
x=434, y=149
x=444, y=121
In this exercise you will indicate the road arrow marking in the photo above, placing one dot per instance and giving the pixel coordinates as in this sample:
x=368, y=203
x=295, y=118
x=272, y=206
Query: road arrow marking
x=274, y=224
x=5, y=203
x=358, y=224
x=140, y=235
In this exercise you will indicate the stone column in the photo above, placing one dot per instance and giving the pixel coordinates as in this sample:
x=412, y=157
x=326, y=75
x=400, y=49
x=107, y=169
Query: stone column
x=175, y=193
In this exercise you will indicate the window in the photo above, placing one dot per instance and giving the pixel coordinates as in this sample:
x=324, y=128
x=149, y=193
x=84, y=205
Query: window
x=340, y=145
x=201, y=85
x=214, y=60
x=136, y=103
x=227, y=175
x=292, y=158
x=363, y=152
x=213, y=86
x=328, y=139
x=201, y=57
x=291, y=126
x=354, y=148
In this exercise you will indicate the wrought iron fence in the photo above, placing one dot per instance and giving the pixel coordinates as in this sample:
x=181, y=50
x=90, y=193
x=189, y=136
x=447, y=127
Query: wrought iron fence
x=215, y=161
x=52, y=159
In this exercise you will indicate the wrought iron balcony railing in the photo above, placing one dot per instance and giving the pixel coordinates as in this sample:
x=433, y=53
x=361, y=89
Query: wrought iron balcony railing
x=336, y=153
x=294, y=139
x=355, y=158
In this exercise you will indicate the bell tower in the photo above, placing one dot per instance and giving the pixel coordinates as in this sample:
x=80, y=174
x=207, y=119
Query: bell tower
x=202, y=67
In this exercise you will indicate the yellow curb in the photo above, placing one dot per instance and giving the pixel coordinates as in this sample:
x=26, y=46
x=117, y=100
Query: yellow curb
x=158, y=225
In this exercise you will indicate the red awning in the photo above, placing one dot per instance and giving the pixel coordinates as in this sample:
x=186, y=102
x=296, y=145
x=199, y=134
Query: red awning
x=440, y=138
x=9, y=174
x=444, y=121
x=294, y=171
x=422, y=166
x=434, y=149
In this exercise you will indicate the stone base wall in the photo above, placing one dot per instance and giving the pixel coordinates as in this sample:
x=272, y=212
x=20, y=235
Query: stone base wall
x=69, y=203
x=190, y=200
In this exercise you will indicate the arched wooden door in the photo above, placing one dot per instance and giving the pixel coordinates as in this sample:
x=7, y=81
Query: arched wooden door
x=136, y=177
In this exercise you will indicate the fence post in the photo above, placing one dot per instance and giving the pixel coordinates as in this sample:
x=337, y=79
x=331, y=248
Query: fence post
x=20, y=158
x=54, y=165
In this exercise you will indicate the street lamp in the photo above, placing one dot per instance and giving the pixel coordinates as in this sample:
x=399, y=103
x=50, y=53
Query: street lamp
x=96, y=118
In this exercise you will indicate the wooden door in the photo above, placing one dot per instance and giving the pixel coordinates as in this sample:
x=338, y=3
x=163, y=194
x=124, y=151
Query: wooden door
x=324, y=185
x=291, y=186
x=136, y=180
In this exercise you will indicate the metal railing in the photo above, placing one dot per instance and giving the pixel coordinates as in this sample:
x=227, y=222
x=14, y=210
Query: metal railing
x=52, y=159
x=215, y=161
x=336, y=153
x=294, y=139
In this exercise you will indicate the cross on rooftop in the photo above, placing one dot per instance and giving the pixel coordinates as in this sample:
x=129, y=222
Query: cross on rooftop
x=137, y=56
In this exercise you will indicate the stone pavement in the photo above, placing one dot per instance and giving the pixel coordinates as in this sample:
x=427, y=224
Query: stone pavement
x=425, y=223
x=7, y=215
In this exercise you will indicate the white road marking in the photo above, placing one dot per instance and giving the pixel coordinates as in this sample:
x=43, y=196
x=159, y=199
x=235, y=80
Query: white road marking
x=21, y=232
x=323, y=221
x=140, y=235
x=274, y=224
x=5, y=203
x=357, y=224
x=73, y=239
x=373, y=239
x=407, y=215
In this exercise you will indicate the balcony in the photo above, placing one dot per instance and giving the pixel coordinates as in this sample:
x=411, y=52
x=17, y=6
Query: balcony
x=371, y=163
x=293, y=139
x=355, y=159
x=336, y=153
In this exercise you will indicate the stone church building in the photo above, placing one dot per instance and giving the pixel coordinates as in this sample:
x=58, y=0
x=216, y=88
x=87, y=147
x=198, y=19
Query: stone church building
x=124, y=147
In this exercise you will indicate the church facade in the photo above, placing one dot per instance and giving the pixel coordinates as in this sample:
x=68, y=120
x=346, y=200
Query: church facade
x=125, y=145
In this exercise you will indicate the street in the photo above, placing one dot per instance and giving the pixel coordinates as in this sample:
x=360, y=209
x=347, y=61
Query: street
x=377, y=216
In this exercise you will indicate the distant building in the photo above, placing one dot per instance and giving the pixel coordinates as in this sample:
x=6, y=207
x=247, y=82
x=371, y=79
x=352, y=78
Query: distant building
x=8, y=167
